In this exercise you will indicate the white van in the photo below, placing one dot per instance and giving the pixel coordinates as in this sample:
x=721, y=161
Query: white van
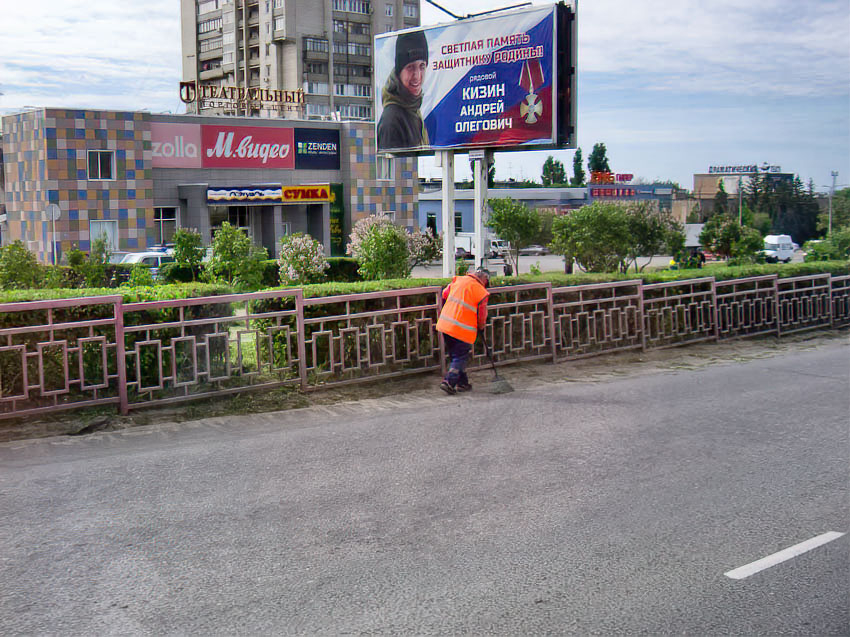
x=778, y=247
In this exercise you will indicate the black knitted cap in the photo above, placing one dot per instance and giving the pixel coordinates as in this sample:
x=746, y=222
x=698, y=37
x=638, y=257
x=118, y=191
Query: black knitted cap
x=409, y=47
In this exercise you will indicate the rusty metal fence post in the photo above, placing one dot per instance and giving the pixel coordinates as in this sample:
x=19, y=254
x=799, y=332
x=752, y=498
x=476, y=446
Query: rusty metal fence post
x=550, y=310
x=300, y=328
x=121, y=358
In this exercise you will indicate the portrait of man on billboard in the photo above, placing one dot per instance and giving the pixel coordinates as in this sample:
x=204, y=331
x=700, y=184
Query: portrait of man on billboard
x=401, y=124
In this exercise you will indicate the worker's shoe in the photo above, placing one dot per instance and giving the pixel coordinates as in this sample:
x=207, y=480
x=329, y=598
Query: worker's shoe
x=451, y=391
x=461, y=387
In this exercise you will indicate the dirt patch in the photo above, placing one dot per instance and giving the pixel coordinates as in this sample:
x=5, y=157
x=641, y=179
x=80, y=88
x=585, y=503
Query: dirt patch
x=520, y=376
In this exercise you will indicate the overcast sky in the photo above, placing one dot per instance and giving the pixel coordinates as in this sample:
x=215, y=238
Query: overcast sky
x=670, y=87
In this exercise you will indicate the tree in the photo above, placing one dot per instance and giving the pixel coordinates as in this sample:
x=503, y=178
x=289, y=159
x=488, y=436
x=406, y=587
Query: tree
x=650, y=231
x=747, y=248
x=423, y=247
x=721, y=199
x=235, y=260
x=597, y=236
x=514, y=222
x=578, y=178
x=301, y=260
x=380, y=248
x=598, y=160
x=840, y=212
x=188, y=249
x=719, y=235
x=553, y=172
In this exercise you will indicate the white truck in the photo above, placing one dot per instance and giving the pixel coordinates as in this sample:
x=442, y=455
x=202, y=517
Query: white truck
x=466, y=241
x=778, y=247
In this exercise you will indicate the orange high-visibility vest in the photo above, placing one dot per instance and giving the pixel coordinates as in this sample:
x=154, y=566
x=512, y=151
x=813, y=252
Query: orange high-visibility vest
x=459, y=317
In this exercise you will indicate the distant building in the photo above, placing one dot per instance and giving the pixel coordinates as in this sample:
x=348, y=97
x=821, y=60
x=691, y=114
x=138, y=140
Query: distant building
x=558, y=200
x=707, y=185
x=321, y=48
x=135, y=177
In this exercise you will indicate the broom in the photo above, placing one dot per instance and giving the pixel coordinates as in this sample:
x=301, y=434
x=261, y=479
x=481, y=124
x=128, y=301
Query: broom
x=498, y=385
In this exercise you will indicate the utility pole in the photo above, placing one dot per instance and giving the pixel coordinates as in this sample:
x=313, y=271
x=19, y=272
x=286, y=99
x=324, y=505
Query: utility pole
x=834, y=174
x=740, y=206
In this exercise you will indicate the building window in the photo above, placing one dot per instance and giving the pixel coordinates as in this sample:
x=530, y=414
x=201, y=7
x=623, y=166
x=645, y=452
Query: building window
x=316, y=88
x=352, y=48
x=205, y=6
x=388, y=27
x=316, y=44
x=353, y=90
x=280, y=24
x=316, y=68
x=355, y=111
x=384, y=167
x=431, y=222
x=106, y=229
x=340, y=26
x=227, y=57
x=318, y=110
x=209, y=25
x=165, y=221
x=236, y=216
x=209, y=45
x=353, y=6
x=389, y=11
x=228, y=38
x=360, y=28
x=102, y=164
x=409, y=10
x=458, y=222
x=278, y=4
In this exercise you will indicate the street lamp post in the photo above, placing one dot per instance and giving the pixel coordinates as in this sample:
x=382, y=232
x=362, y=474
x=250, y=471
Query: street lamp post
x=834, y=174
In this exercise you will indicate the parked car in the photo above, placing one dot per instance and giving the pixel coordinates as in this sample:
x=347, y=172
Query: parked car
x=150, y=258
x=462, y=253
x=535, y=250
x=778, y=247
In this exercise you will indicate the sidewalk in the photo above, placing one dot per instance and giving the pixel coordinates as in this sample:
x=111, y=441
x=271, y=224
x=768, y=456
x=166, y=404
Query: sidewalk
x=424, y=387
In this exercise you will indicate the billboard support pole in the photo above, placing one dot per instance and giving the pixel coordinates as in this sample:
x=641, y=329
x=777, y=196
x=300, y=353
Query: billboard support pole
x=481, y=166
x=447, y=159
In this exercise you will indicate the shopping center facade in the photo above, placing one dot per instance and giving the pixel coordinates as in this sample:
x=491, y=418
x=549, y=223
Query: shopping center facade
x=134, y=177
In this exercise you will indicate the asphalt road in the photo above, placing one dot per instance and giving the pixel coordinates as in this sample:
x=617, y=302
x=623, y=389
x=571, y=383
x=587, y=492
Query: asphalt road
x=608, y=507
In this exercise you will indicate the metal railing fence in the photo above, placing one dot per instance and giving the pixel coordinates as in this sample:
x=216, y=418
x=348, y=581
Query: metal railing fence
x=74, y=353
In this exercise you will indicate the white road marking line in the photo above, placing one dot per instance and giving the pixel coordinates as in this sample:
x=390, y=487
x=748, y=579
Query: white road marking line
x=783, y=555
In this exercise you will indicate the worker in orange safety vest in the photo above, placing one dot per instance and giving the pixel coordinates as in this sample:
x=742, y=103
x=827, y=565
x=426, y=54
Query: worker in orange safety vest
x=464, y=314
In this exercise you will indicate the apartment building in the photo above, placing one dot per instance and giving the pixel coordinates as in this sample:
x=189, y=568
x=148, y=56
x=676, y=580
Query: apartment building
x=318, y=52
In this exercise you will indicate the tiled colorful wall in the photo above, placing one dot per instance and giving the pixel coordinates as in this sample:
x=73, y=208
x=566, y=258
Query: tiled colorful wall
x=370, y=196
x=46, y=162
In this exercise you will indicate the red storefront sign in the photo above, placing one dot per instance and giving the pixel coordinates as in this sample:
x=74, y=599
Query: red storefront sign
x=247, y=147
x=175, y=145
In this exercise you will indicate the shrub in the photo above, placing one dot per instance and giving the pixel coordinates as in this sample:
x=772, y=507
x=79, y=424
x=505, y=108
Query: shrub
x=301, y=260
x=380, y=248
x=835, y=246
x=188, y=251
x=343, y=269
x=19, y=268
x=235, y=260
x=139, y=275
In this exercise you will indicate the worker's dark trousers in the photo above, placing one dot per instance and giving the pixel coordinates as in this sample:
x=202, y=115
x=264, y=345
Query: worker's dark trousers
x=458, y=353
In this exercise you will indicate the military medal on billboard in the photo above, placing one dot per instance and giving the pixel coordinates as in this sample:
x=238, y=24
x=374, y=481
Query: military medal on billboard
x=531, y=78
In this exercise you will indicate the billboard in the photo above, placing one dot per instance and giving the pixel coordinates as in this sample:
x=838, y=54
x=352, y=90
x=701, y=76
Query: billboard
x=503, y=81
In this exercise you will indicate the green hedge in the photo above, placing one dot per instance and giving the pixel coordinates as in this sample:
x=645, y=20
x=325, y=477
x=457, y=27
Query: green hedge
x=131, y=295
